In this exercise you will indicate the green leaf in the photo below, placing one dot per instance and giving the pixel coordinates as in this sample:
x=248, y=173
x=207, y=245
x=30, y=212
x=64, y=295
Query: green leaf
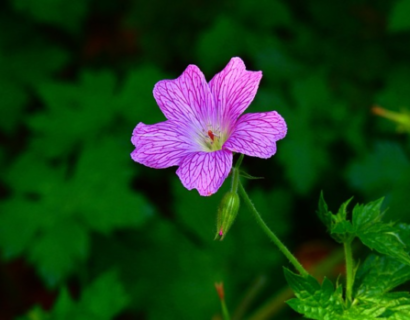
x=379, y=274
x=364, y=216
x=394, y=305
x=270, y=13
x=64, y=306
x=364, y=311
x=104, y=298
x=55, y=213
x=23, y=64
x=342, y=230
x=135, y=101
x=305, y=154
x=399, y=16
x=217, y=43
x=100, y=187
x=365, y=174
x=14, y=98
x=339, y=227
x=302, y=286
x=75, y=112
x=313, y=300
x=66, y=14
x=323, y=212
x=385, y=238
x=59, y=249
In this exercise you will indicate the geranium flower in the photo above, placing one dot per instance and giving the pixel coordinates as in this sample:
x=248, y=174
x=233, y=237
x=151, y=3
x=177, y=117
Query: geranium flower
x=205, y=126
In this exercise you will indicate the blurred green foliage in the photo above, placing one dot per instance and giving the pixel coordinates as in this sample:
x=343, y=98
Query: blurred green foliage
x=77, y=76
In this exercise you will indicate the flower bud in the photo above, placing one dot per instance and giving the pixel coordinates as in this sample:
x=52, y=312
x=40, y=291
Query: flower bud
x=227, y=212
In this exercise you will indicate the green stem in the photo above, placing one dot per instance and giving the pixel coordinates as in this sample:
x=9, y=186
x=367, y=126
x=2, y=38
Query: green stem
x=235, y=174
x=235, y=180
x=349, y=270
x=225, y=312
x=270, y=234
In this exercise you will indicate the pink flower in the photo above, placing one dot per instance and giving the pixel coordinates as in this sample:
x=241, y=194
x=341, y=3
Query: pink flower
x=205, y=126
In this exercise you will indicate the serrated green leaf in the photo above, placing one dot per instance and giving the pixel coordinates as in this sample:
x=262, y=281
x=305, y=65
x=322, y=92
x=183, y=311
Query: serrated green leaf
x=315, y=301
x=302, y=286
x=342, y=212
x=389, y=306
x=55, y=214
x=101, y=300
x=105, y=297
x=103, y=174
x=379, y=274
x=59, y=249
x=344, y=228
x=364, y=216
x=385, y=238
x=364, y=311
x=323, y=212
x=399, y=16
x=75, y=112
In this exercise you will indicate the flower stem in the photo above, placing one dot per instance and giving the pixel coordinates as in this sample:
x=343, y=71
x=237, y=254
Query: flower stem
x=235, y=174
x=221, y=294
x=235, y=180
x=225, y=312
x=270, y=234
x=349, y=270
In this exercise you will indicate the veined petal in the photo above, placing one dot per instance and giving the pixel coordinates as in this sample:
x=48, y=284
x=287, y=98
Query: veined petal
x=160, y=145
x=205, y=171
x=234, y=89
x=255, y=134
x=186, y=98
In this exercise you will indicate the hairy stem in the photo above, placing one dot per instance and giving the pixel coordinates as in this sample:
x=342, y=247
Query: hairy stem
x=270, y=234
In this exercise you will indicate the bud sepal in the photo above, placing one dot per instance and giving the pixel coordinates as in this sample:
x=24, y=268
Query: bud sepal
x=227, y=212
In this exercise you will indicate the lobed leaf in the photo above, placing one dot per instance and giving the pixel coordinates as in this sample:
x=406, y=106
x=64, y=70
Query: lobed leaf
x=315, y=301
x=364, y=216
x=323, y=212
x=385, y=239
x=380, y=274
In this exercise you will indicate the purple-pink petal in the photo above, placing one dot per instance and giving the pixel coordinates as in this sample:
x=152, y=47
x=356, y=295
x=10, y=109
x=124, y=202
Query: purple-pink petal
x=185, y=98
x=160, y=145
x=255, y=134
x=205, y=171
x=234, y=89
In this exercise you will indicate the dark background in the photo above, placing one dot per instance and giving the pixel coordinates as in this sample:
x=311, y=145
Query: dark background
x=86, y=233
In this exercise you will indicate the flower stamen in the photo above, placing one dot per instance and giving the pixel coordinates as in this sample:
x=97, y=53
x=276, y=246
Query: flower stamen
x=211, y=135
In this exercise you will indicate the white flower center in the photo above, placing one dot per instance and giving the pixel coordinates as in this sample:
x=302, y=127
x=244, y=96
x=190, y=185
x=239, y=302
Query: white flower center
x=212, y=139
